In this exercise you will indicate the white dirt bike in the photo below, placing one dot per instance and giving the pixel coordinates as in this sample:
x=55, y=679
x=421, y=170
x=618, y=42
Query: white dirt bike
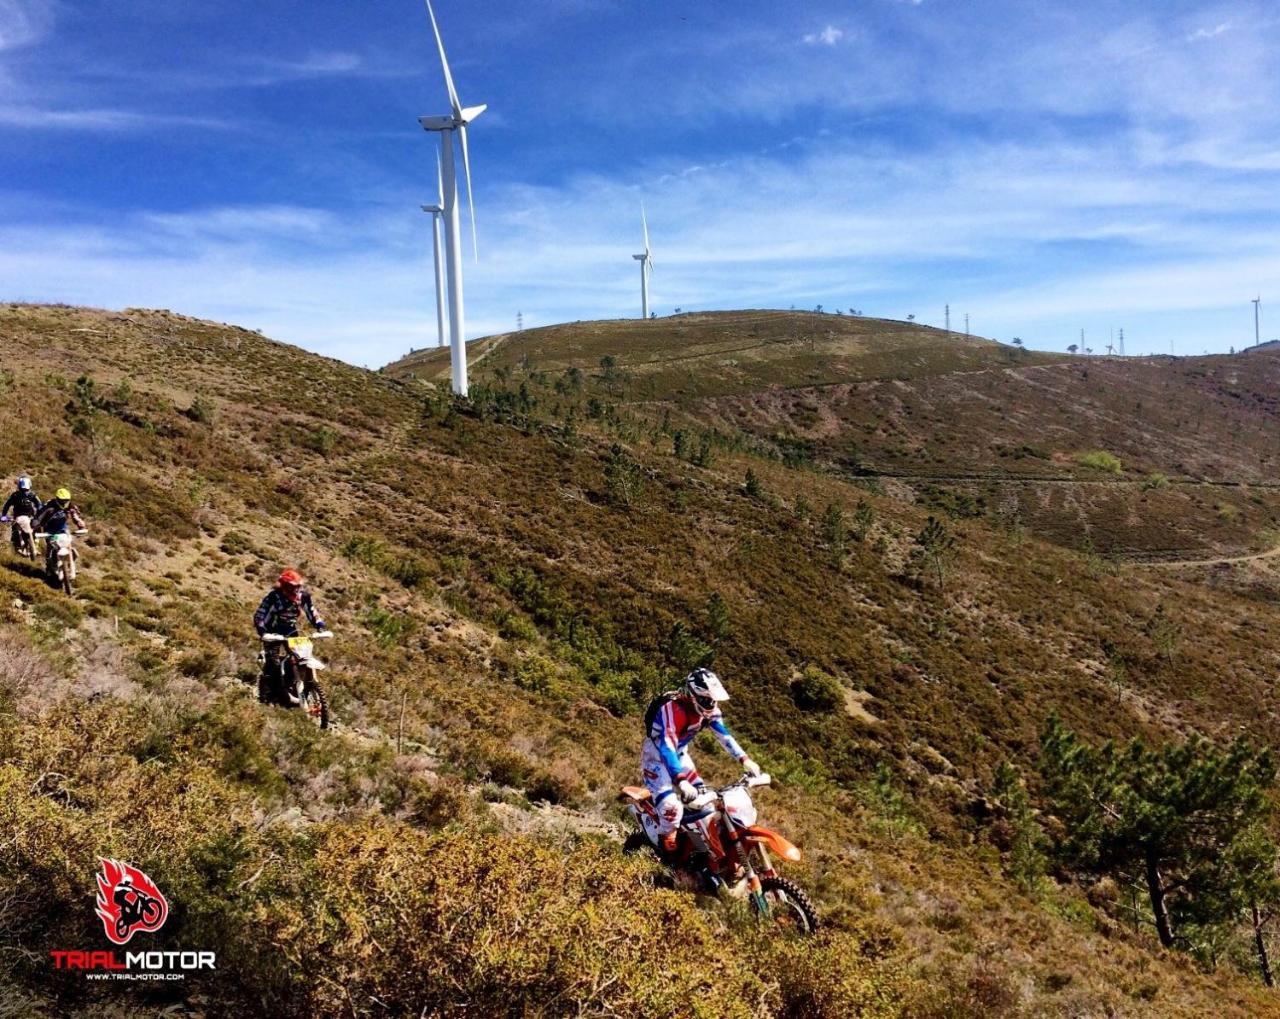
x=60, y=558
x=298, y=667
x=21, y=536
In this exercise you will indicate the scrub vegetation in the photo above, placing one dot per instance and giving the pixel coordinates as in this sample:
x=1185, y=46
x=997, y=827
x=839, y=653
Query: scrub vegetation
x=932, y=678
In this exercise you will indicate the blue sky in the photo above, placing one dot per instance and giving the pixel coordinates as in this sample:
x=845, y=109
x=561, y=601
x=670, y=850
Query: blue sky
x=1043, y=167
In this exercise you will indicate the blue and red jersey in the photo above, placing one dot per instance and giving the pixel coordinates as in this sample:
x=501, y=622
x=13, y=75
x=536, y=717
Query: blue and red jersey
x=279, y=614
x=677, y=723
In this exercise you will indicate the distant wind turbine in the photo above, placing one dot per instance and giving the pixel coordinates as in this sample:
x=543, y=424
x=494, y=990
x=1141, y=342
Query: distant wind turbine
x=449, y=124
x=646, y=266
x=437, y=211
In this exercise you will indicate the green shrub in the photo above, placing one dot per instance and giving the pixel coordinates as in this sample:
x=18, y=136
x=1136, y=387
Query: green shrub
x=535, y=674
x=815, y=690
x=389, y=628
x=1100, y=460
x=201, y=411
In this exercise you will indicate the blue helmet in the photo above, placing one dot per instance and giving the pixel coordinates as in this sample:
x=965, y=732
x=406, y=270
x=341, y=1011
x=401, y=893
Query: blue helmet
x=24, y=483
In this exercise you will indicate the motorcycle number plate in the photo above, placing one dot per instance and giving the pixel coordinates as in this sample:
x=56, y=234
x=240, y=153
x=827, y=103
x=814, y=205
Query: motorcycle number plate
x=300, y=644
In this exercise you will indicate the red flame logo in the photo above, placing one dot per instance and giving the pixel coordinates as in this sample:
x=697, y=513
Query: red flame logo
x=128, y=902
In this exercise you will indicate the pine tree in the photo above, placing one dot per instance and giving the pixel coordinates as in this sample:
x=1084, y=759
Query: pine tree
x=836, y=533
x=719, y=622
x=864, y=518
x=680, y=445
x=1190, y=818
x=934, y=546
x=623, y=477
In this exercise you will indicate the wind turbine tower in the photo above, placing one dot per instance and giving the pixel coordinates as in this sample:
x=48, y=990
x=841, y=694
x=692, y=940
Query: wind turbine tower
x=436, y=212
x=646, y=266
x=450, y=124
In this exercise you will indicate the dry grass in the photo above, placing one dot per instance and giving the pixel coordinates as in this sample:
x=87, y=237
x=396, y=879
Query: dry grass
x=478, y=574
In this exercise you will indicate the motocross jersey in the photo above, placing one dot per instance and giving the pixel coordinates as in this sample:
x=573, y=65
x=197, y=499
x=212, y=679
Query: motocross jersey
x=278, y=614
x=674, y=727
x=56, y=515
x=21, y=504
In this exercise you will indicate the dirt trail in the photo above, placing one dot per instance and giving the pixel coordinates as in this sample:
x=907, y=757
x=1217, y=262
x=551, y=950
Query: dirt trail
x=1270, y=553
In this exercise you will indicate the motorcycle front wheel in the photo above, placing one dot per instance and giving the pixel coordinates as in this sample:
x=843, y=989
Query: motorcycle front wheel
x=789, y=907
x=67, y=584
x=314, y=702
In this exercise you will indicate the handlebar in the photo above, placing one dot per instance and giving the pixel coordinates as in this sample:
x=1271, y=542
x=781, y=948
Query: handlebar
x=43, y=534
x=709, y=797
x=277, y=638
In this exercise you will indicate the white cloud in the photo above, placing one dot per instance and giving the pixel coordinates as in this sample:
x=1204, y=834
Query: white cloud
x=245, y=222
x=829, y=36
x=105, y=120
x=837, y=223
x=24, y=22
x=334, y=62
x=1209, y=33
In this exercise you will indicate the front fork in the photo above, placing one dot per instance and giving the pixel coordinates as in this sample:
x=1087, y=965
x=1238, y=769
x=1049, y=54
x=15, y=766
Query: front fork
x=742, y=852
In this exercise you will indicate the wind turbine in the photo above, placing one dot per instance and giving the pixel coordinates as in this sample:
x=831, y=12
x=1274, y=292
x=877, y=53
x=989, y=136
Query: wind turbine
x=437, y=211
x=646, y=266
x=449, y=124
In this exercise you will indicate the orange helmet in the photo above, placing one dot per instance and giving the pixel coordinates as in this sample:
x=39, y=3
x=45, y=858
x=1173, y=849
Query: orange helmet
x=291, y=578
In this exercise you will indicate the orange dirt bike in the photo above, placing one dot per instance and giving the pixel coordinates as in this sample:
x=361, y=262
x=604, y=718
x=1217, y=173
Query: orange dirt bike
x=298, y=667
x=21, y=536
x=720, y=842
x=60, y=558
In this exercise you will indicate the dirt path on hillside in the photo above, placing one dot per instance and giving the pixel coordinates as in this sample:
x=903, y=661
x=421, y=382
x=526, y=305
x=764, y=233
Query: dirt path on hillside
x=1270, y=553
x=1052, y=479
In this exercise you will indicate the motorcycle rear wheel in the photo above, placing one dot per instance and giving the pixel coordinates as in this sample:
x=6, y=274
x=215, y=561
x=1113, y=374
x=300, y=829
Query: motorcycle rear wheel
x=789, y=906
x=637, y=842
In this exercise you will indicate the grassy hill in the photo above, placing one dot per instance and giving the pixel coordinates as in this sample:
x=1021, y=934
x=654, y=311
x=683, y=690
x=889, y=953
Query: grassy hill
x=511, y=579
x=1153, y=458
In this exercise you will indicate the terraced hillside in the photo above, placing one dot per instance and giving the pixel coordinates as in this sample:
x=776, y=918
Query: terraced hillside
x=1140, y=457
x=511, y=579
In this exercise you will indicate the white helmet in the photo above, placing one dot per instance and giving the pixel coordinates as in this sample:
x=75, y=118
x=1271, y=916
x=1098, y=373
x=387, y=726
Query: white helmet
x=705, y=689
x=24, y=483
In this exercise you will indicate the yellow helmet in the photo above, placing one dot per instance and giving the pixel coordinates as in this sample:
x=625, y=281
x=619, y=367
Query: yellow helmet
x=62, y=493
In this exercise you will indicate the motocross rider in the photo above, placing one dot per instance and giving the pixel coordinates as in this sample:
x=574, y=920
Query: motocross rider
x=669, y=772
x=54, y=518
x=22, y=502
x=279, y=613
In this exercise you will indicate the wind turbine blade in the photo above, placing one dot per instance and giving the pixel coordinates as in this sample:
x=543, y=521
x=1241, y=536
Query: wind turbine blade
x=471, y=200
x=644, y=223
x=444, y=62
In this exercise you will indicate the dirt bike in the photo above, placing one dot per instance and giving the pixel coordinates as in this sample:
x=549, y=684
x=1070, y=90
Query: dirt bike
x=719, y=840
x=21, y=536
x=60, y=558
x=143, y=909
x=298, y=668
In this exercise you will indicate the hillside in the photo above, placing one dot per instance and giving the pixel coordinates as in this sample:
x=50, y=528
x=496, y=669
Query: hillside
x=961, y=424
x=511, y=579
x=699, y=355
